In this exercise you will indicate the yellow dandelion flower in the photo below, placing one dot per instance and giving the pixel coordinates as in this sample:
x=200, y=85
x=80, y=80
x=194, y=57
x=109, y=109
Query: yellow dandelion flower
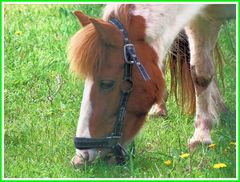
x=233, y=143
x=184, y=155
x=18, y=33
x=167, y=162
x=219, y=165
x=212, y=146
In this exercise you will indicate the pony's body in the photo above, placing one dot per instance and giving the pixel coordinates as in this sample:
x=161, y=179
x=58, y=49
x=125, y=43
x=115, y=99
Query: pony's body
x=160, y=25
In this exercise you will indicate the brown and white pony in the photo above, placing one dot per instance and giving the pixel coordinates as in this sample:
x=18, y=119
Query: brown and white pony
x=96, y=52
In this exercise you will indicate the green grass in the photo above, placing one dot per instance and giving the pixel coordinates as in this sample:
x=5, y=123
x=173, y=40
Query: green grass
x=39, y=131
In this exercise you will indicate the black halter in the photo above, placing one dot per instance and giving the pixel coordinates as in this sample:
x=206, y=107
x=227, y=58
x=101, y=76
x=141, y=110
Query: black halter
x=113, y=140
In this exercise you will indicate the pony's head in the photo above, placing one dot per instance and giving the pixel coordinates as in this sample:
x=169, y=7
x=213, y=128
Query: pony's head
x=96, y=52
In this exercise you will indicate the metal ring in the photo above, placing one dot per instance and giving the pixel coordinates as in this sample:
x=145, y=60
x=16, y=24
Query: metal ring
x=126, y=85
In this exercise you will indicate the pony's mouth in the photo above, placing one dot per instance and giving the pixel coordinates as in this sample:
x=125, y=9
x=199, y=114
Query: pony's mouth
x=88, y=156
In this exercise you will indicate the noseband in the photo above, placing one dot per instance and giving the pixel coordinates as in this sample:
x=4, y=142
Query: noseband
x=113, y=140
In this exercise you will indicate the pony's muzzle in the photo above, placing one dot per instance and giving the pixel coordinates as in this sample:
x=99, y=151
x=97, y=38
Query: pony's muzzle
x=83, y=156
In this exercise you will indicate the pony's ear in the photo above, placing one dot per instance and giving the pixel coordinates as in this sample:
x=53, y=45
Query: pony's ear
x=108, y=32
x=83, y=19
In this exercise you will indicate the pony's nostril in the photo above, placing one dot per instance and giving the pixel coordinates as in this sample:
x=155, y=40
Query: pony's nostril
x=86, y=155
x=79, y=159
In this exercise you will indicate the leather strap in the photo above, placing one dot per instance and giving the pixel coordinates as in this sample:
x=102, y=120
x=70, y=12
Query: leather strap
x=129, y=50
x=89, y=143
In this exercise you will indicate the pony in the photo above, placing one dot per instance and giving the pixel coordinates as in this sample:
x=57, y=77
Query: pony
x=96, y=53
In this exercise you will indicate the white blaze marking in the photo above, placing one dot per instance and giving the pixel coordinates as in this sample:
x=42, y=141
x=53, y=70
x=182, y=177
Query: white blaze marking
x=83, y=122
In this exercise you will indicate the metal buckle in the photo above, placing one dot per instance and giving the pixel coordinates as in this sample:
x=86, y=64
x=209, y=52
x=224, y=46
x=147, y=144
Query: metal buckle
x=126, y=85
x=126, y=53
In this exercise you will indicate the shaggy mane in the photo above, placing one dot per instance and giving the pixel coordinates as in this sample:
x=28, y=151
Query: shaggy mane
x=86, y=51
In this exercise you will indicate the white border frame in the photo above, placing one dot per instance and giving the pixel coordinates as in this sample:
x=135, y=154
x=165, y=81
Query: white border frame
x=107, y=179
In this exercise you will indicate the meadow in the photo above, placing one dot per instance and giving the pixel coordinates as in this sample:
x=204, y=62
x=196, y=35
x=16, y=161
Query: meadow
x=42, y=101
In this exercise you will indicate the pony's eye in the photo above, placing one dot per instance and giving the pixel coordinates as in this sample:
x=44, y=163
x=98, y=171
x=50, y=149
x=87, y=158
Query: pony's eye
x=106, y=84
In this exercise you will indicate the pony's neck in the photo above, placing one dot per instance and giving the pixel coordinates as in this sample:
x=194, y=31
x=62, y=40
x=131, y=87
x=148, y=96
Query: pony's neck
x=164, y=22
